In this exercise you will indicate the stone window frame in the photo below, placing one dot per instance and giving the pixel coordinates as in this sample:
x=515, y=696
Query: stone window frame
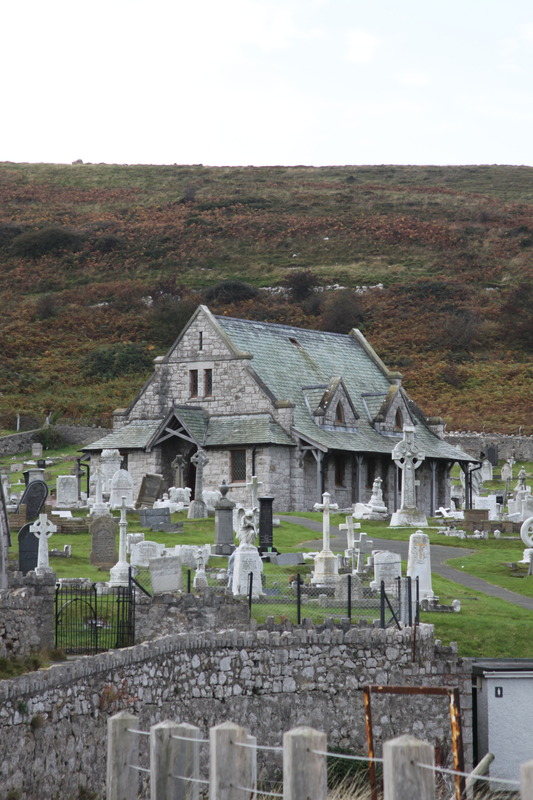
x=237, y=469
x=339, y=414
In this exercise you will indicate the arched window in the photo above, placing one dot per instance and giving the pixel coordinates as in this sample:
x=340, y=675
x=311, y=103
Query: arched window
x=398, y=421
x=339, y=414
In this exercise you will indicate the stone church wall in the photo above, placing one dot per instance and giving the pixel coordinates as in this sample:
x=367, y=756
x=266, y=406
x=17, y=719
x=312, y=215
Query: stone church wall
x=53, y=722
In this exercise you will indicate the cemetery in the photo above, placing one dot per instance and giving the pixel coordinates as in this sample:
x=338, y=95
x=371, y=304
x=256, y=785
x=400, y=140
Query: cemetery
x=214, y=604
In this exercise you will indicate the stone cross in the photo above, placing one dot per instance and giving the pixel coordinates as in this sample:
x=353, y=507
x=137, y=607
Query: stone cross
x=408, y=456
x=254, y=484
x=199, y=459
x=349, y=526
x=177, y=465
x=119, y=575
x=363, y=545
x=42, y=529
x=5, y=540
x=326, y=507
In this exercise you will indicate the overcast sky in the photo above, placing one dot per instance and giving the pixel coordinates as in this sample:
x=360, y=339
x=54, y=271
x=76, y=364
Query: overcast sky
x=229, y=82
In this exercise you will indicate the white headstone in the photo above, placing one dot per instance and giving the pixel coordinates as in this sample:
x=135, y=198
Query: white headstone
x=247, y=560
x=42, y=529
x=122, y=486
x=166, y=574
x=326, y=570
x=142, y=552
x=387, y=568
x=419, y=564
x=187, y=553
x=486, y=470
x=67, y=491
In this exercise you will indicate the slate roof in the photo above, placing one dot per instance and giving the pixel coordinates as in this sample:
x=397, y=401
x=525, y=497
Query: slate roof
x=287, y=359
x=245, y=429
x=134, y=436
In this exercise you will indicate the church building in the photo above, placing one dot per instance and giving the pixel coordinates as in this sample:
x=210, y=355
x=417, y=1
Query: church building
x=305, y=411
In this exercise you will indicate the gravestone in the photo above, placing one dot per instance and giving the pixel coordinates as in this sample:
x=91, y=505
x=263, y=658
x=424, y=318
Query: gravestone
x=142, y=552
x=34, y=498
x=507, y=472
x=224, y=523
x=408, y=457
x=28, y=549
x=34, y=474
x=178, y=494
x=5, y=541
x=486, y=470
x=42, y=528
x=492, y=454
x=211, y=498
x=198, y=509
x=149, y=491
x=166, y=574
x=266, y=528
x=200, y=578
x=488, y=503
x=133, y=538
x=326, y=569
x=36, y=450
x=67, y=491
x=356, y=588
x=110, y=461
x=121, y=486
x=119, y=575
x=103, y=532
x=419, y=564
x=158, y=519
x=178, y=466
x=247, y=560
x=387, y=568
x=188, y=554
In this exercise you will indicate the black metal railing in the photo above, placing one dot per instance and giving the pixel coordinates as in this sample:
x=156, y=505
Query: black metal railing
x=90, y=618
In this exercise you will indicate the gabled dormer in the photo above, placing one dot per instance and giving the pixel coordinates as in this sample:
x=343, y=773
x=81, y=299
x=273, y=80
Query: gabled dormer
x=393, y=413
x=330, y=405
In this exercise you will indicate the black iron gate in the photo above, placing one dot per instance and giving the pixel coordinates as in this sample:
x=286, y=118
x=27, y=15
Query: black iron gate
x=90, y=619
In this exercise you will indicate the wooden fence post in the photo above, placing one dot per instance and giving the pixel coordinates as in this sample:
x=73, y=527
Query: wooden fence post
x=172, y=760
x=232, y=772
x=122, y=750
x=526, y=781
x=305, y=775
x=402, y=778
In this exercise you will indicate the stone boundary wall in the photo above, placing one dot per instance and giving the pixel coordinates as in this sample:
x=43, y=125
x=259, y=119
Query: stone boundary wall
x=72, y=434
x=53, y=722
x=520, y=447
x=27, y=617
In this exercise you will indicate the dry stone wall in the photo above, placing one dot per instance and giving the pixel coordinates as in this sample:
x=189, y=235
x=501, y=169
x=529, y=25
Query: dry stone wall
x=53, y=723
x=27, y=616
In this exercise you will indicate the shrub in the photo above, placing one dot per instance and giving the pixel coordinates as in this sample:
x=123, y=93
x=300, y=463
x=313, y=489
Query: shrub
x=301, y=283
x=112, y=361
x=231, y=292
x=33, y=244
x=342, y=312
x=47, y=306
x=167, y=318
x=50, y=438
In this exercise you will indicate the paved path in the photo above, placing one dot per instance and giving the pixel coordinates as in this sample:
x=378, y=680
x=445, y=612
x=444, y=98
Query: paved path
x=439, y=554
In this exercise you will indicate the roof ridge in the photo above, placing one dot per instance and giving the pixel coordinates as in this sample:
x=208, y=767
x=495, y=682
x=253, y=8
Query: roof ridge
x=280, y=325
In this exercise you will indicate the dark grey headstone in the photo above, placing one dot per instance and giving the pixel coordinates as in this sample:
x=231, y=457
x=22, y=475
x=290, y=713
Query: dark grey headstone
x=492, y=454
x=149, y=491
x=5, y=539
x=266, y=538
x=103, y=532
x=288, y=559
x=34, y=498
x=158, y=519
x=28, y=549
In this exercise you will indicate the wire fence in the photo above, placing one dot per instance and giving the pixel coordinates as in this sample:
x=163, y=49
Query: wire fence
x=407, y=769
x=294, y=599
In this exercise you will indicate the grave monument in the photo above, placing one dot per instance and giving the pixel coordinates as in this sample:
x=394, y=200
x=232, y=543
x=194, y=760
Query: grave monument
x=198, y=509
x=326, y=569
x=408, y=457
x=42, y=529
x=419, y=564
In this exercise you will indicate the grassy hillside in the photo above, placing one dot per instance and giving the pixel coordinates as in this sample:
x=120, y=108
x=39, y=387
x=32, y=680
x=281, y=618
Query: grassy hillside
x=101, y=265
